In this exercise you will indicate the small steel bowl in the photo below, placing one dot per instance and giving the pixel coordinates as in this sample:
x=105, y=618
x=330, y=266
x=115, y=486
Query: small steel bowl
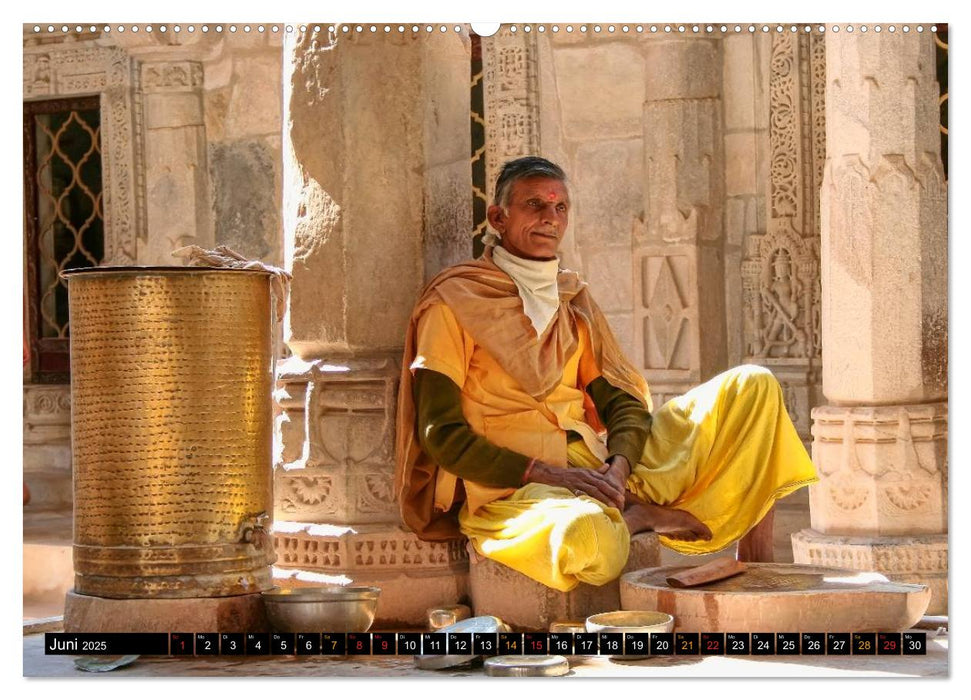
x=321, y=608
x=634, y=621
x=630, y=621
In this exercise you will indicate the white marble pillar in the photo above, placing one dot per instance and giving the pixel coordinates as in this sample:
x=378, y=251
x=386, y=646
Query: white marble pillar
x=881, y=442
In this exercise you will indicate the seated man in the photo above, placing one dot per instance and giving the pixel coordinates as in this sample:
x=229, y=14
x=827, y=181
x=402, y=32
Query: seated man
x=510, y=375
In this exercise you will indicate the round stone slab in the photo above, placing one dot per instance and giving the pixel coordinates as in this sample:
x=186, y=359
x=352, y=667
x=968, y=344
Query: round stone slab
x=780, y=598
x=526, y=666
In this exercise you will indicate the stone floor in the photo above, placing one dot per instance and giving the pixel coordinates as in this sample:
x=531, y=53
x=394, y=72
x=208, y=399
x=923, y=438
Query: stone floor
x=934, y=664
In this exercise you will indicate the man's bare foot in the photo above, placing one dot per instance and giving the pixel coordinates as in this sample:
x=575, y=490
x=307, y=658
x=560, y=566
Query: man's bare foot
x=670, y=522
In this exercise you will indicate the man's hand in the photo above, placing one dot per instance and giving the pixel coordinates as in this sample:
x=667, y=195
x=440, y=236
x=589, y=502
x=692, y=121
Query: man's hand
x=616, y=470
x=593, y=483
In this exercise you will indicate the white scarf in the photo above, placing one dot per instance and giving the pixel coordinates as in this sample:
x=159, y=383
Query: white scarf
x=536, y=282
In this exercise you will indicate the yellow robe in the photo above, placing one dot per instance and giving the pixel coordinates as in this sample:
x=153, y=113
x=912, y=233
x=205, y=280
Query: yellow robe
x=724, y=451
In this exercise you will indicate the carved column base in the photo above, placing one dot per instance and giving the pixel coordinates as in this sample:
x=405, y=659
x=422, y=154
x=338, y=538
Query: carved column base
x=413, y=575
x=917, y=559
x=883, y=470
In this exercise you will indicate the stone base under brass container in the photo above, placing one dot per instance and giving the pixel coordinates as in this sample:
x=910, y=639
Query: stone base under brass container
x=238, y=613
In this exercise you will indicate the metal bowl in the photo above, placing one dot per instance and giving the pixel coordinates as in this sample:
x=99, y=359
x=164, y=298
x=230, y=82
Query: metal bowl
x=321, y=608
x=630, y=621
x=634, y=621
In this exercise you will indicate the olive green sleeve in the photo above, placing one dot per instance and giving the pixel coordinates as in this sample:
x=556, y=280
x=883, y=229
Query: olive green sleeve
x=447, y=437
x=628, y=421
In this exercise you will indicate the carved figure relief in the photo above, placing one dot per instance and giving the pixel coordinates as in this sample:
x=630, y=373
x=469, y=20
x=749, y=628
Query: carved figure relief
x=781, y=281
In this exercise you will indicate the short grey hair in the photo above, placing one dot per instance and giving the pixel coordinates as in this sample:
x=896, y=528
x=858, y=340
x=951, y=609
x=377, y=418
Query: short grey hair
x=521, y=168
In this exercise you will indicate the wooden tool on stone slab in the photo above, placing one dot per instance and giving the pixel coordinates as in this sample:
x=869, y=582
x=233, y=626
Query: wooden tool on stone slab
x=716, y=570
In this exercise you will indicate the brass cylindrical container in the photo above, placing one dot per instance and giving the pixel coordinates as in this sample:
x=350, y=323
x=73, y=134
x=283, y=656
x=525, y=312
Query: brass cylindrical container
x=171, y=425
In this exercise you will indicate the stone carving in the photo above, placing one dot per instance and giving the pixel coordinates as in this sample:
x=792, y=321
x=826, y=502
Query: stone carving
x=910, y=559
x=47, y=421
x=171, y=77
x=908, y=496
x=783, y=128
x=301, y=494
x=781, y=268
x=846, y=495
x=63, y=71
x=665, y=335
x=511, y=99
x=908, y=439
x=37, y=75
x=376, y=494
x=355, y=554
x=47, y=404
x=336, y=429
x=791, y=401
x=309, y=553
x=817, y=75
x=780, y=282
x=311, y=491
x=781, y=289
x=883, y=469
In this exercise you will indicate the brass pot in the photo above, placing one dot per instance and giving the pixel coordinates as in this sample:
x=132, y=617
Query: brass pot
x=171, y=429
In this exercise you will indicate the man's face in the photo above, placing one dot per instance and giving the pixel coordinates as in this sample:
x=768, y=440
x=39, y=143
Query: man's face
x=535, y=220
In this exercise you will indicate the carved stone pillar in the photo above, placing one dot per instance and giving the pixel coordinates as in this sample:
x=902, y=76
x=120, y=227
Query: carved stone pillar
x=780, y=272
x=511, y=79
x=377, y=183
x=178, y=205
x=679, y=310
x=881, y=444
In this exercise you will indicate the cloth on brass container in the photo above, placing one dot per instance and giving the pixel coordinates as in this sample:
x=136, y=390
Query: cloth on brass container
x=223, y=256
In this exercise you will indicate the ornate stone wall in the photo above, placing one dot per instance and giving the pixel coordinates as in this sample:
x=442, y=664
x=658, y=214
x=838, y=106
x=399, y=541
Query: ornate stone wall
x=47, y=446
x=780, y=312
